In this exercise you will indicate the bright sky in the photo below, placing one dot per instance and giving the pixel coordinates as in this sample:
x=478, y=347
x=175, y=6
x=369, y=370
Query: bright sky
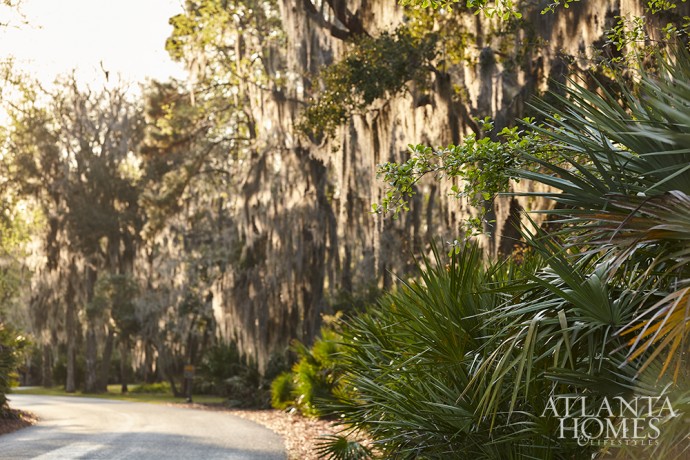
x=128, y=36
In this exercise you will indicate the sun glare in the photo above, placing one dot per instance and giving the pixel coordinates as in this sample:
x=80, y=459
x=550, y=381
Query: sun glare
x=93, y=38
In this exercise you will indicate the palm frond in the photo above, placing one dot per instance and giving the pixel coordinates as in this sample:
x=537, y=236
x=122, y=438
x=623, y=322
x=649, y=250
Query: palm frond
x=339, y=447
x=623, y=182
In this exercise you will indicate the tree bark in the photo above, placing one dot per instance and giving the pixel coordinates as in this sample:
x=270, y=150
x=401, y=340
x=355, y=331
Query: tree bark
x=93, y=321
x=149, y=375
x=124, y=364
x=107, y=357
x=165, y=373
x=47, y=367
x=70, y=381
x=91, y=384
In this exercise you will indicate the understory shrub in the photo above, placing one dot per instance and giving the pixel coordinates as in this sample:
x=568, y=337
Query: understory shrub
x=313, y=378
x=463, y=363
x=282, y=391
x=225, y=371
x=152, y=388
x=410, y=364
x=11, y=346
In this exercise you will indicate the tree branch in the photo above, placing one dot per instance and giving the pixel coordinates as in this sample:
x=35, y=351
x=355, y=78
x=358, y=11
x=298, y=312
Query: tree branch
x=314, y=15
x=351, y=21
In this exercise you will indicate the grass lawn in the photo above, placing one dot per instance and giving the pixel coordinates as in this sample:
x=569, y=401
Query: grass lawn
x=114, y=393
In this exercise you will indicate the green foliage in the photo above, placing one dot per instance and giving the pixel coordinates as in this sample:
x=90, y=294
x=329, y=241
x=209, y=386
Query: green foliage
x=207, y=24
x=551, y=7
x=462, y=363
x=12, y=345
x=502, y=9
x=631, y=193
x=484, y=166
x=228, y=48
x=657, y=6
x=338, y=447
x=373, y=68
x=314, y=376
x=81, y=140
x=152, y=388
x=408, y=365
x=245, y=390
x=598, y=308
x=17, y=221
x=316, y=372
x=116, y=294
x=221, y=362
x=225, y=371
x=175, y=129
x=623, y=182
x=282, y=390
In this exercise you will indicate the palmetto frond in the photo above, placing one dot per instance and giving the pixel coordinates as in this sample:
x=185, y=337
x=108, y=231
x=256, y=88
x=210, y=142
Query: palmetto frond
x=666, y=329
x=418, y=368
x=339, y=447
x=623, y=182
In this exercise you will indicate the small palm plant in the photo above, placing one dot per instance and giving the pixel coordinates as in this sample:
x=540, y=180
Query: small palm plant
x=623, y=176
x=626, y=195
x=414, y=369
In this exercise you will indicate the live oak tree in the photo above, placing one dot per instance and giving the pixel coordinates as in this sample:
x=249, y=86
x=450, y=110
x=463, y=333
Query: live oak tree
x=130, y=222
x=72, y=151
x=189, y=241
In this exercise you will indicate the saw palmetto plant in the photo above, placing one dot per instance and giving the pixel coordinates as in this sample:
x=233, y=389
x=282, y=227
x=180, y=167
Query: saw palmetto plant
x=623, y=184
x=624, y=192
x=408, y=364
x=463, y=362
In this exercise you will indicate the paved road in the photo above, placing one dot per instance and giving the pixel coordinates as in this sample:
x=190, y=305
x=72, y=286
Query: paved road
x=89, y=428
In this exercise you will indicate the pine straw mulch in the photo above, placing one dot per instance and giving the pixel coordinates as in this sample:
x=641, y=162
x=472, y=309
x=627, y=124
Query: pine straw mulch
x=13, y=419
x=299, y=433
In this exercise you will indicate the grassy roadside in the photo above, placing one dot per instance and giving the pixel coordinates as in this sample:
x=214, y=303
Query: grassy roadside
x=114, y=393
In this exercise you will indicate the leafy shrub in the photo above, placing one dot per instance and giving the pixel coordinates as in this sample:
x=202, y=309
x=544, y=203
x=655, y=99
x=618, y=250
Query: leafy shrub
x=313, y=378
x=338, y=447
x=244, y=389
x=414, y=369
x=220, y=362
x=152, y=388
x=11, y=346
x=282, y=389
x=462, y=364
x=224, y=371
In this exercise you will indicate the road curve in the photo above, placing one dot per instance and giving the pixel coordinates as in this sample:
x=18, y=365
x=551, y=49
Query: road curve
x=89, y=428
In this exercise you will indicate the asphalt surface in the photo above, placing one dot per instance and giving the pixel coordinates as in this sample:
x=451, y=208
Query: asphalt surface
x=88, y=428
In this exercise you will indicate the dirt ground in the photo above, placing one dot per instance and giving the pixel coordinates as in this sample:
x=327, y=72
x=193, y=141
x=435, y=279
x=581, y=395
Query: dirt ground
x=15, y=420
